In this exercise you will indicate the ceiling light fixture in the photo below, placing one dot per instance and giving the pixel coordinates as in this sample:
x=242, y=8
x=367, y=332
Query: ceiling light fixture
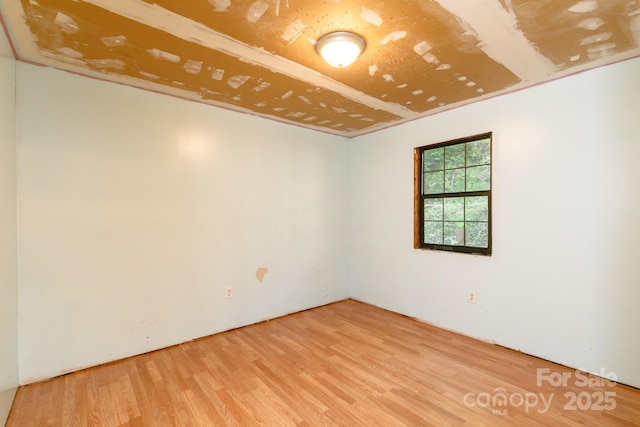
x=340, y=48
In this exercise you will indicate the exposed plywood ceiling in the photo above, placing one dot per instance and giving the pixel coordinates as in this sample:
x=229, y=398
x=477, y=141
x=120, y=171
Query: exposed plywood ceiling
x=258, y=56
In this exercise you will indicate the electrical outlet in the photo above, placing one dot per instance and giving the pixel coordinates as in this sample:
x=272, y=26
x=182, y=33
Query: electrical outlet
x=228, y=293
x=471, y=297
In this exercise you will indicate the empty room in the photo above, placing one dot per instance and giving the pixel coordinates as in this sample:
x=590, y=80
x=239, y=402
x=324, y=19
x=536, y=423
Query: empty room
x=208, y=218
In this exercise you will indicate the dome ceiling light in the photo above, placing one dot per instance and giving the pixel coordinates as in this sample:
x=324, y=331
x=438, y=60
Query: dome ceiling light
x=340, y=48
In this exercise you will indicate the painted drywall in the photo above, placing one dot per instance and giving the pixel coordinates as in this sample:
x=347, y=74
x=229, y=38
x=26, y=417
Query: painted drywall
x=8, y=277
x=563, y=281
x=138, y=210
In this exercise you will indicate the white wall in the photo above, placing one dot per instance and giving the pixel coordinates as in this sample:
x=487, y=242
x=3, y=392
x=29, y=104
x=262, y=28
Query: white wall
x=137, y=210
x=8, y=278
x=563, y=282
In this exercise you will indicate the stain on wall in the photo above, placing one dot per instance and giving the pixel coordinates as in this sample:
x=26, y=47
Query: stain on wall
x=260, y=273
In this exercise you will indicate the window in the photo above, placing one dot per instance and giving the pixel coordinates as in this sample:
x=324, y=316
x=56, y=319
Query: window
x=453, y=195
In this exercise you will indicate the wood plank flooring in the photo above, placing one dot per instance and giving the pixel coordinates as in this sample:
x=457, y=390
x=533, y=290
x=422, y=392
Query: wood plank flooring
x=344, y=364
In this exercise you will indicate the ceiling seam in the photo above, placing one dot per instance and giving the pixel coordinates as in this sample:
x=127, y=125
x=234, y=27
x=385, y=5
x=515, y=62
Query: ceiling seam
x=500, y=38
x=186, y=29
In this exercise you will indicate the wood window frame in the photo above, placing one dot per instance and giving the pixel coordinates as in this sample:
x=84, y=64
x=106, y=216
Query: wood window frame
x=418, y=210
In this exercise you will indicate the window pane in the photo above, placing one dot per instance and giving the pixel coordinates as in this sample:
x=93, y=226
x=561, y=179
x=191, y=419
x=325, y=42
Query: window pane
x=433, y=160
x=454, y=209
x=454, y=156
x=477, y=234
x=476, y=208
x=479, y=178
x=433, y=183
x=433, y=209
x=454, y=233
x=433, y=232
x=478, y=152
x=454, y=181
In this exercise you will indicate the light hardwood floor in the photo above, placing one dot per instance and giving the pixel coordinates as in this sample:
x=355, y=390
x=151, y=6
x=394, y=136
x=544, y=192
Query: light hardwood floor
x=344, y=364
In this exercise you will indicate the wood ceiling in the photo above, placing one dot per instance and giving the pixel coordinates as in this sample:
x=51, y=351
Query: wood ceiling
x=257, y=56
